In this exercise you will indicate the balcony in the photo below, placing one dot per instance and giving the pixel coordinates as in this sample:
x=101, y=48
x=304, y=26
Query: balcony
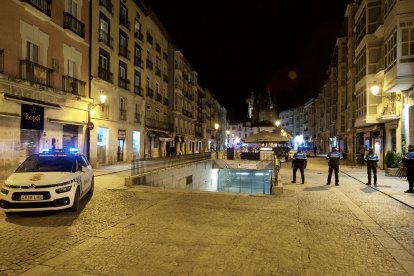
x=158, y=72
x=150, y=65
x=105, y=74
x=159, y=97
x=138, y=62
x=139, y=36
x=187, y=113
x=137, y=117
x=122, y=114
x=106, y=39
x=74, y=86
x=107, y=4
x=150, y=40
x=42, y=5
x=1, y=61
x=165, y=56
x=150, y=92
x=138, y=90
x=124, y=83
x=74, y=24
x=165, y=77
x=158, y=48
x=157, y=124
x=124, y=52
x=36, y=73
x=124, y=22
x=165, y=101
x=389, y=112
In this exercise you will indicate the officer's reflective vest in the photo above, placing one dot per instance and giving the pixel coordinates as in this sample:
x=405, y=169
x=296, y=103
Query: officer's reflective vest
x=299, y=159
x=409, y=159
x=371, y=159
x=333, y=158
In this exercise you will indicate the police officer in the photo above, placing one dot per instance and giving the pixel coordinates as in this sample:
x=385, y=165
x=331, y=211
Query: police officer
x=409, y=164
x=372, y=159
x=299, y=161
x=333, y=161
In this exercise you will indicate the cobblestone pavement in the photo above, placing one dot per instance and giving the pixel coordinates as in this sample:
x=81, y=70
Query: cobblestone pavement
x=311, y=229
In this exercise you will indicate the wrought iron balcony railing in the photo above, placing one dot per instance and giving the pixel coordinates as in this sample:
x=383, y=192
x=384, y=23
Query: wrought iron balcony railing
x=157, y=124
x=158, y=71
x=124, y=22
x=138, y=90
x=41, y=5
x=138, y=61
x=150, y=65
x=74, y=86
x=139, y=36
x=74, y=24
x=150, y=92
x=105, y=38
x=107, y=4
x=159, y=97
x=124, y=83
x=36, y=73
x=124, y=52
x=105, y=74
x=122, y=114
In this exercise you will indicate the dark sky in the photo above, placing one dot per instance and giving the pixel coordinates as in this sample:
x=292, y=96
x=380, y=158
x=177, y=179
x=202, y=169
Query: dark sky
x=237, y=46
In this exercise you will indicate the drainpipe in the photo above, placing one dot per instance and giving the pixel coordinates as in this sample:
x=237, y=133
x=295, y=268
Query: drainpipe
x=88, y=132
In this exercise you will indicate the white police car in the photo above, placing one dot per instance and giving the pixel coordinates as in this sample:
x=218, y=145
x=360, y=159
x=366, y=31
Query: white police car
x=51, y=180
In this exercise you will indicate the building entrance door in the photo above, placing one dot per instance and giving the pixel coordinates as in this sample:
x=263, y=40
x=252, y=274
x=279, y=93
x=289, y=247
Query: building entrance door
x=120, y=154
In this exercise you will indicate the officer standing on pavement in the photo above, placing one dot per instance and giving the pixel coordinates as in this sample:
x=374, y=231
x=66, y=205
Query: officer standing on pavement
x=333, y=161
x=409, y=165
x=372, y=159
x=299, y=161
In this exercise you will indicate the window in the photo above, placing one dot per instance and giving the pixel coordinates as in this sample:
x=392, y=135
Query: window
x=407, y=41
x=72, y=8
x=104, y=28
x=360, y=27
x=137, y=83
x=123, y=16
x=389, y=4
x=137, y=56
x=32, y=53
x=103, y=59
x=391, y=51
x=122, y=70
x=360, y=109
x=123, y=45
x=148, y=112
x=137, y=28
x=361, y=65
x=71, y=65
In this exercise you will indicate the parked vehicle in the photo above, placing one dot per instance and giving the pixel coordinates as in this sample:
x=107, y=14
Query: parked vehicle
x=51, y=180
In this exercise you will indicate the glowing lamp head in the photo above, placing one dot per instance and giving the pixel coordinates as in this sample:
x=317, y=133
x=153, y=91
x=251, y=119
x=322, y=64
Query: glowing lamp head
x=375, y=89
x=102, y=98
x=216, y=126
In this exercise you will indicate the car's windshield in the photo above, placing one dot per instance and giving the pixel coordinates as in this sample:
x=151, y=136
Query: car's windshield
x=47, y=163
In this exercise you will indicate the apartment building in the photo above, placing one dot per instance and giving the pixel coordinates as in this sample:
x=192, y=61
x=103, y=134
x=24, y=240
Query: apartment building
x=287, y=120
x=43, y=78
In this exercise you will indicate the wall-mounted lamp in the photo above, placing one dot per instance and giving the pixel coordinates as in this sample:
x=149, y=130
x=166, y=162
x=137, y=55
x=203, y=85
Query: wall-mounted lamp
x=392, y=96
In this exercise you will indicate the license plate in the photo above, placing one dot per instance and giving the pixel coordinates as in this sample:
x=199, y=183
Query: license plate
x=31, y=197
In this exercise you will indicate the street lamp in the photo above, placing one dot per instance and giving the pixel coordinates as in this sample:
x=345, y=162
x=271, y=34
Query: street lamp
x=216, y=126
x=90, y=126
x=277, y=123
x=228, y=134
x=375, y=90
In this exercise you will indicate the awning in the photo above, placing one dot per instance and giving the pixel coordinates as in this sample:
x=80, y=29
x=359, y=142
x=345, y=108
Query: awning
x=25, y=100
x=64, y=122
x=160, y=134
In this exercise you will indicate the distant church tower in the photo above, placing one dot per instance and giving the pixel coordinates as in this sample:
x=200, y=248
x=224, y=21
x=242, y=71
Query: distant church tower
x=261, y=109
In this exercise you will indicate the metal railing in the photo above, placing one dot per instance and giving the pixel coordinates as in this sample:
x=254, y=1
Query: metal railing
x=141, y=166
x=107, y=4
x=74, y=86
x=36, y=73
x=124, y=83
x=74, y=24
x=105, y=74
x=105, y=38
x=41, y=5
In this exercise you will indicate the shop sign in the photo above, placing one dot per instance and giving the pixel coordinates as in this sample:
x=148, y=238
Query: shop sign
x=32, y=117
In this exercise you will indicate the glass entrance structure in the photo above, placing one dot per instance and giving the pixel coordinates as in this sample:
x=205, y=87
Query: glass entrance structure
x=244, y=181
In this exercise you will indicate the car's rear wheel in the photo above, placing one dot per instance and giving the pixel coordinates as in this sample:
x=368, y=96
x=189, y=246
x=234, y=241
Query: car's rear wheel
x=92, y=188
x=76, y=199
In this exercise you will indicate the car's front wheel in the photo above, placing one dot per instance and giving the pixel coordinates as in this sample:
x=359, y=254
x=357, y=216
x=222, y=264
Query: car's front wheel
x=76, y=199
x=92, y=188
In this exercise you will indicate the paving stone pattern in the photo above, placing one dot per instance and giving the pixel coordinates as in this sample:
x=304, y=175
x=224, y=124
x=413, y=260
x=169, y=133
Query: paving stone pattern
x=310, y=229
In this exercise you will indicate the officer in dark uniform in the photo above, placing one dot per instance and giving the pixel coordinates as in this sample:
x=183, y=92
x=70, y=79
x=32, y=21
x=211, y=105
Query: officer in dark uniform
x=372, y=159
x=409, y=165
x=299, y=161
x=333, y=161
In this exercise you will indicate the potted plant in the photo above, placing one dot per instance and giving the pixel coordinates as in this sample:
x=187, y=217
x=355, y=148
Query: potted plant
x=392, y=161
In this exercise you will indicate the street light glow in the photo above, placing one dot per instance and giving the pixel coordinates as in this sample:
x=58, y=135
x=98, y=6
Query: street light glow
x=277, y=123
x=216, y=126
x=102, y=98
x=375, y=89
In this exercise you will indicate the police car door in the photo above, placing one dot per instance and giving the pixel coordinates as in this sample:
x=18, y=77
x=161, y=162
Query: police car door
x=83, y=175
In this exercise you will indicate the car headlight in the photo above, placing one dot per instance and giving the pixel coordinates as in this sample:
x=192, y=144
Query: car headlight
x=4, y=191
x=63, y=189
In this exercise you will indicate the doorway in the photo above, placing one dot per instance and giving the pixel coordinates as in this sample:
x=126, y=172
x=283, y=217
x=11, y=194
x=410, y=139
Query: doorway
x=120, y=154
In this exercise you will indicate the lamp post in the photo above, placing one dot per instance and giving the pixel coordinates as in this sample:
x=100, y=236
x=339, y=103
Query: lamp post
x=228, y=135
x=90, y=126
x=216, y=126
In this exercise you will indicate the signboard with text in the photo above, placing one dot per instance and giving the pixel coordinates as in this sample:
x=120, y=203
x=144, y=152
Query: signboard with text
x=32, y=117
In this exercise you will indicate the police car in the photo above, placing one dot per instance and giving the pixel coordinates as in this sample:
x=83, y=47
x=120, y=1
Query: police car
x=51, y=180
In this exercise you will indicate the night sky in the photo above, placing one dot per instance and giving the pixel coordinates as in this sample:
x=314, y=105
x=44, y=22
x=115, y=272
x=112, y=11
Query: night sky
x=237, y=46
